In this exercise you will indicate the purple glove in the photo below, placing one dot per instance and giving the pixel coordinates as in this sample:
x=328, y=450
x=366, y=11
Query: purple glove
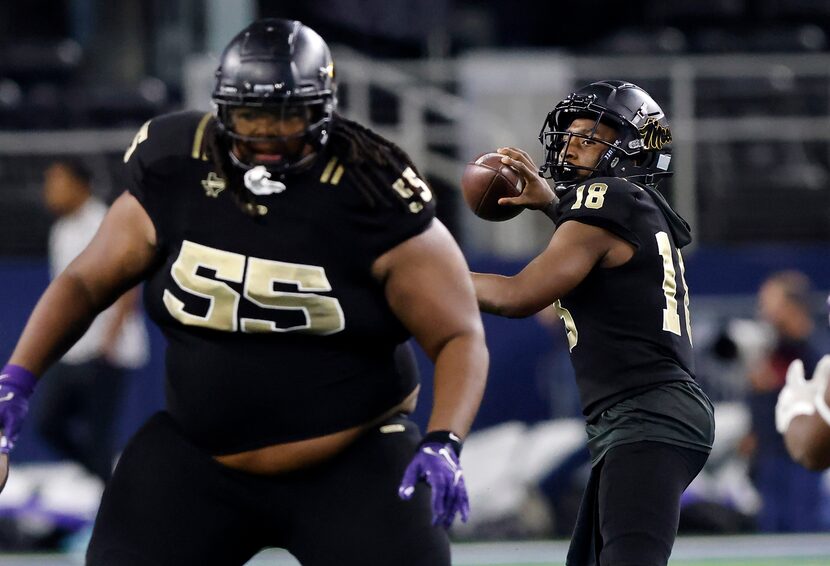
x=16, y=386
x=436, y=462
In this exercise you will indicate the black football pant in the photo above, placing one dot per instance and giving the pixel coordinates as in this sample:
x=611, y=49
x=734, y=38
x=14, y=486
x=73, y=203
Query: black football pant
x=170, y=504
x=631, y=507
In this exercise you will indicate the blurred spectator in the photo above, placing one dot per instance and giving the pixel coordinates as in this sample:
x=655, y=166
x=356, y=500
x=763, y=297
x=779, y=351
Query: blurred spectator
x=79, y=400
x=807, y=438
x=790, y=494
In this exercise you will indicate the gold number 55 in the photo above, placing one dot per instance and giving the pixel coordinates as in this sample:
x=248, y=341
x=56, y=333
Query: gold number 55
x=323, y=315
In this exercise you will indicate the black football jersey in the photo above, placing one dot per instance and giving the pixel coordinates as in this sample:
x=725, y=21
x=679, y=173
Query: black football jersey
x=276, y=330
x=628, y=327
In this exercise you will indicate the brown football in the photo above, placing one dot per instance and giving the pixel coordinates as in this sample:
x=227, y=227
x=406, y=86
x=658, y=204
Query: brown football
x=4, y=469
x=485, y=180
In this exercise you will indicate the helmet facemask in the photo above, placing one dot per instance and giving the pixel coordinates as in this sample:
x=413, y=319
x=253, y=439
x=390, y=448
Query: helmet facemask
x=557, y=141
x=641, y=146
x=283, y=137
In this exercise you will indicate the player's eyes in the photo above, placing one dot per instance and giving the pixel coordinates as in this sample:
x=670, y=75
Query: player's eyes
x=295, y=113
x=247, y=115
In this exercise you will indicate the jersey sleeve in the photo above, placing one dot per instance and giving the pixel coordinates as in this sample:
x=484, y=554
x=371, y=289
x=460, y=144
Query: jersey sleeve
x=136, y=163
x=143, y=175
x=153, y=162
x=605, y=202
x=404, y=207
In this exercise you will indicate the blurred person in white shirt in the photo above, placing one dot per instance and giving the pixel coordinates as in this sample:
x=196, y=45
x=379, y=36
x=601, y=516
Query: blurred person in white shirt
x=78, y=405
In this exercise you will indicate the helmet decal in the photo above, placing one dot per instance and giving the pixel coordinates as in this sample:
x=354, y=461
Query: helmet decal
x=655, y=135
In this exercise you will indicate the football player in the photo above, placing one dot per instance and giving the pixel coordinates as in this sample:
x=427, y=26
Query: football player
x=614, y=272
x=791, y=495
x=802, y=414
x=285, y=252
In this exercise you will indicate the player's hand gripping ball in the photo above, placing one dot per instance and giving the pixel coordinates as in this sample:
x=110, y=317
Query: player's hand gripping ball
x=485, y=181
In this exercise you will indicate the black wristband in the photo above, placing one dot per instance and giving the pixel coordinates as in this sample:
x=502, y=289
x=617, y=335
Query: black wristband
x=443, y=437
x=550, y=210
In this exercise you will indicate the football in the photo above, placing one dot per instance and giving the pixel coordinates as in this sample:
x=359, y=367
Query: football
x=485, y=180
x=4, y=469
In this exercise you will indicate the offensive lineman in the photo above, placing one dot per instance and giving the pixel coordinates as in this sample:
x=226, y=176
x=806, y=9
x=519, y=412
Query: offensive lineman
x=286, y=252
x=614, y=272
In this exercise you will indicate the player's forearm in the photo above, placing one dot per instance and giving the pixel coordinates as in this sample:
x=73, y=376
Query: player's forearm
x=490, y=291
x=60, y=318
x=460, y=377
x=501, y=295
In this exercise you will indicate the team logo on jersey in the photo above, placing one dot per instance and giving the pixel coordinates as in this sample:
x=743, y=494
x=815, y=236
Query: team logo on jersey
x=213, y=185
x=655, y=135
x=258, y=181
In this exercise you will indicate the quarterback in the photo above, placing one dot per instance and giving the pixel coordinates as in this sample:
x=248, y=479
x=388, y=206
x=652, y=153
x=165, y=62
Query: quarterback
x=614, y=273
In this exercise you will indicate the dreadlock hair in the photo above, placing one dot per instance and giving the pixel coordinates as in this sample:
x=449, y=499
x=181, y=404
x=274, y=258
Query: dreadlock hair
x=217, y=147
x=368, y=154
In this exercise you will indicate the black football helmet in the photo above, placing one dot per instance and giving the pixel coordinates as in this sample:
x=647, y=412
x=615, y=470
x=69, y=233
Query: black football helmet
x=640, y=152
x=284, y=68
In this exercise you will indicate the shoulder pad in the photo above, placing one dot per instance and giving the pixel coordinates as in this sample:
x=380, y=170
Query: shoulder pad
x=607, y=202
x=179, y=134
x=412, y=190
x=395, y=184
